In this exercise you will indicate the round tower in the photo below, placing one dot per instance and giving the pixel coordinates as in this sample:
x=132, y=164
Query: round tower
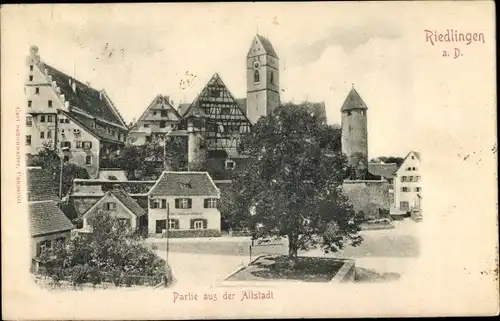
x=355, y=132
x=196, y=144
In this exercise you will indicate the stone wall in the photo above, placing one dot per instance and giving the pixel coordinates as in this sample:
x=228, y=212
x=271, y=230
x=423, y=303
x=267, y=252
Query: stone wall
x=368, y=196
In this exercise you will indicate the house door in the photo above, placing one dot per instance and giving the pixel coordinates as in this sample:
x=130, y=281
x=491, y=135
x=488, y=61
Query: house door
x=160, y=226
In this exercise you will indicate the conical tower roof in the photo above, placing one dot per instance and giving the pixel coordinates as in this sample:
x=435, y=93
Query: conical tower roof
x=353, y=101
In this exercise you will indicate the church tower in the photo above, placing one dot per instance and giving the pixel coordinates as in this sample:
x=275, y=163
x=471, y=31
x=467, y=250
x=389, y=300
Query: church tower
x=355, y=132
x=263, y=94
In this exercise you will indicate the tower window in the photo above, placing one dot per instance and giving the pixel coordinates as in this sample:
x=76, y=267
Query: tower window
x=37, y=90
x=30, y=103
x=31, y=67
x=256, y=76
x=31, y=78
x=271, y=78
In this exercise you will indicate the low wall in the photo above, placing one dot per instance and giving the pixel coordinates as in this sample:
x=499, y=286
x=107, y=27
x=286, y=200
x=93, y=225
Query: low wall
x=193, y=233
x=368, y=196
x=346, y=273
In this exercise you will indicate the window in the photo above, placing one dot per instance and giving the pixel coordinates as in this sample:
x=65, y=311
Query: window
x=87, y=145
x=158, y=203
x=66, y=158
x=49, y=134
x=49, y=119
x=29, y=121
x=66, y=121
x=256, y=76
x=405, y=189
x=37, y=91
x=110, y=206
x=42, y=118
x=198, y=224
x=163, y=124
x=404, y=178
x=271, y=78
x=31, y=67
x=173, y=224
x=154, y=113
x=414, y=168
x=230, y=164
x=30, y=103
x=210, y=203
x=418, y=189
x=183, y=203
x=61, y=120
x=88, y=159
x=43, y=245
x=124, y=222
x=42, y=135
x=146, y=125
x=28, y=140
x=31, y=78
x=49, y=103
x=163, y=113
x=417, y=178
x=404, y=206
x=65, y=144
x=412, y=157
x=161, y=225
x=78, y=144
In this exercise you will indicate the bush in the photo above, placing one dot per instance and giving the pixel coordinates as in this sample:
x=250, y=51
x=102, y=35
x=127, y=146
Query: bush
x=194, y=233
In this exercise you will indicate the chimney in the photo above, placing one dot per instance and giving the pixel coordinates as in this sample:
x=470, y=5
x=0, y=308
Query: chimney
x=34, y=57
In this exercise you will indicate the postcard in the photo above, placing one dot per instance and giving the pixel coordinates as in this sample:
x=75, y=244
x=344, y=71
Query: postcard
x=249, y=160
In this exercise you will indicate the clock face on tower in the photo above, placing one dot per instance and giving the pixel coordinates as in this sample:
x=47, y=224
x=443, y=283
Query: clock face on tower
x=256, y=65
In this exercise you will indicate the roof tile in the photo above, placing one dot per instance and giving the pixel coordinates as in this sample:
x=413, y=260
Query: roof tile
x=184, y=184
x=46, y=217
x=41, y=187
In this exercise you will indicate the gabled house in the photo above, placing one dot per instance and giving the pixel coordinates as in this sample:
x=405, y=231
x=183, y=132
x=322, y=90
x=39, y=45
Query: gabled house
x=119, y=205
x=48, y=224
x=159, y=119
x=186, y=203
x=80, y=122
x=407, y=184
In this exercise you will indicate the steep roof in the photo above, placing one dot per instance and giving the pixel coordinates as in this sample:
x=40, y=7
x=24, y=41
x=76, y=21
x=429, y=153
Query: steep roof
x=384, y=170
x=159, y=102
x=86, y=123
x=353, y=101
x=89, y=100
x=417, y=154
x=41, y=186
x=266, y=45
x=46, y=217
x=128, y=202
x=184, y=184
x=223, y=99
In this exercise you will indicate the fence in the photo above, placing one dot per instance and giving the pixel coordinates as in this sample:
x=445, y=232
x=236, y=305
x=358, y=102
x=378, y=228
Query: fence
x=97, y=277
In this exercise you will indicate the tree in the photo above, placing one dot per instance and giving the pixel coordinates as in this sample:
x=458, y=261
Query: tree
x=388, y=160
x=147, y=161
x=109, y=253
x=292, y=185
x=49, y=160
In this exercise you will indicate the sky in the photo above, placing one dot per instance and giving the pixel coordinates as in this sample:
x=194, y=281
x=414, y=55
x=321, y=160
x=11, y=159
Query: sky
x=136, y=52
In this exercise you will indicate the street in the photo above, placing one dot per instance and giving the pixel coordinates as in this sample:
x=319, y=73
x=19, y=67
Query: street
x=203, y=261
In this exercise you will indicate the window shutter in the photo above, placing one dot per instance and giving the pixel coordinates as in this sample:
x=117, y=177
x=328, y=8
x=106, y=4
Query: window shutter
x=163, y=203
x=38, y=249
x=151, y=203
x=205, y=222
x=192, y=224
x=205, y=203
x=190, y=202
x=177, y=203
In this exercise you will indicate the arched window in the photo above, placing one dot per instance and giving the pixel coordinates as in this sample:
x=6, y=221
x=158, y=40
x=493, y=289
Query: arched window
x=256, y=76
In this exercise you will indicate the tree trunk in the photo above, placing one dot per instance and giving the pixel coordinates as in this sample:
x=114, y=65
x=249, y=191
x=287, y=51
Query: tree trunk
x=292, y=249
